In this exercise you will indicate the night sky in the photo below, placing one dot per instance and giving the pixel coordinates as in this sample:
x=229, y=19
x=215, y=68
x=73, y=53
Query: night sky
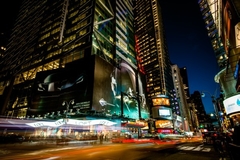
x=189, y=46
x=8, y=14
x=188, y=43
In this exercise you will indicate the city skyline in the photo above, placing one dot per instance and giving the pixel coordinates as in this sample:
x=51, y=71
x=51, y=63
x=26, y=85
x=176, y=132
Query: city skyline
x=180, y=54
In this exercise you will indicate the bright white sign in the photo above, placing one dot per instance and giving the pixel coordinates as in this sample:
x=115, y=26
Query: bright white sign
x=164, y=112
x=179, y=118
x=237, y=34
x=61, y=122
x=232, y=104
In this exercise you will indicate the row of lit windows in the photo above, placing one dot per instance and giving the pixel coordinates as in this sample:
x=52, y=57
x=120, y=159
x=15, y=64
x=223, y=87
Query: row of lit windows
x=78, y=26
x=81, y=2
x=70, y=47
x=150, y=61
x=78, y=18
x=70, y=38
x=56, y=52
x=31, y=74
x=66, y=40
x=50, y=27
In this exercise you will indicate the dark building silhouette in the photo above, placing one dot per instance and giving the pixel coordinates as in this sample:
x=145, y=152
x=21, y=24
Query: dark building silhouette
x=184, y=75
x=199, y=107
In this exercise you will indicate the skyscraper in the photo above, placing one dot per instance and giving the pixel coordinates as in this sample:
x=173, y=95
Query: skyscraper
x=201, y=113
x=153, y=58
x=152, y=48
x=184, y=75
x=182, y=108
x=77, y=51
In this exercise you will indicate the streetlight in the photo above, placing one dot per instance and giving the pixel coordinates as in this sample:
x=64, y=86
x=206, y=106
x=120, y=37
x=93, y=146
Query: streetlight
x=131, y=96
x=67, y=105
x=214, y=105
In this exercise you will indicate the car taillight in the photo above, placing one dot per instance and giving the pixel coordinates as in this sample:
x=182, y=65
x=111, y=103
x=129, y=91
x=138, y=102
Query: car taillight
x=215, y=135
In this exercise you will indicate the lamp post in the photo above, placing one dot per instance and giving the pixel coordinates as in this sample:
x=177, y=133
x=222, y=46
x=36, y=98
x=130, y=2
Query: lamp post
x=131, y=96
x=214, y=105
x=67, y=105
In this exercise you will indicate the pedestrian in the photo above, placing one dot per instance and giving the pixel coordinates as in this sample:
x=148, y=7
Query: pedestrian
x=234, y=147
x=101, y=138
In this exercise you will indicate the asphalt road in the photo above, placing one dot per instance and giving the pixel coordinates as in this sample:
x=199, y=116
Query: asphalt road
x=108, y=151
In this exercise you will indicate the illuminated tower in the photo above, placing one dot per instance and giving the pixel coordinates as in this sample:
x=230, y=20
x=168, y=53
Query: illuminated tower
x=56, y=45
x=153, y=57
x=152, y=48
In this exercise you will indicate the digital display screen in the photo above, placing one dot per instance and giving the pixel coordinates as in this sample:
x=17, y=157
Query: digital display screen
x=164, y=112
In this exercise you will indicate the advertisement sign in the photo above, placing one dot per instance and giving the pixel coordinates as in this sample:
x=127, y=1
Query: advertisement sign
x=164, y=124
x=61, y=122
x=115, y=89
x=237, y=34
x=165, y=131
x=164, y=112
x=161, y=101
x=232, y=104
x=91, y=85
x=179, y=118
x=59, y=89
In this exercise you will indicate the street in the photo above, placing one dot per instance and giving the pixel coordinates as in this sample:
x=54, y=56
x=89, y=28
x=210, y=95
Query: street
x=108, y=151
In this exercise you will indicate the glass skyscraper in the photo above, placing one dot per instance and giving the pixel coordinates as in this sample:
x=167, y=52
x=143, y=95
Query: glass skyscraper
x=79, y=51
x=152, y=49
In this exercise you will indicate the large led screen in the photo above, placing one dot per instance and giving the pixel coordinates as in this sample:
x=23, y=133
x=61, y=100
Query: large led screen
x=232, y=104
x=119, y=88
x=55, y=90
x=161, y=101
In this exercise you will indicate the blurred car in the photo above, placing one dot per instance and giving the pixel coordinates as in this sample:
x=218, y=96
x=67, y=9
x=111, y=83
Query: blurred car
x=208, y=137
x=123, y=140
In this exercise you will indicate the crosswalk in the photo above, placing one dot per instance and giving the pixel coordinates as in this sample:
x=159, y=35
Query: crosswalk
x=199, y=148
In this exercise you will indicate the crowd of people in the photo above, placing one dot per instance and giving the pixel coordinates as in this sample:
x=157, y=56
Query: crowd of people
x=227, y=143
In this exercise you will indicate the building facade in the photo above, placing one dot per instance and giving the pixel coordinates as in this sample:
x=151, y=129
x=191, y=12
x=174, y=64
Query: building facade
x=222, y=22
x=71, y=57
x=198, y=106
x=151, y=48
x=182, y=109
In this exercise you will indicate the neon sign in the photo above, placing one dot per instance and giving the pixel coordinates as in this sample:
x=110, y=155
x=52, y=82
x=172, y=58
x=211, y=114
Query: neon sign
x=61, y=122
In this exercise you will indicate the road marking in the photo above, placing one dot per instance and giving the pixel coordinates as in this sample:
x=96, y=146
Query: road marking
x=189, y=148
x=206, y=150
x=198, y=148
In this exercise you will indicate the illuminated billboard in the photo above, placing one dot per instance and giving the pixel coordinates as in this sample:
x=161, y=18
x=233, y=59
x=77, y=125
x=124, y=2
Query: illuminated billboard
x=164, y=124
x=232, y=104
x=115, y=89
x=237, y=34
x=161, y=101
x=91, y=85
x=164, y=112
x=55, y=90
